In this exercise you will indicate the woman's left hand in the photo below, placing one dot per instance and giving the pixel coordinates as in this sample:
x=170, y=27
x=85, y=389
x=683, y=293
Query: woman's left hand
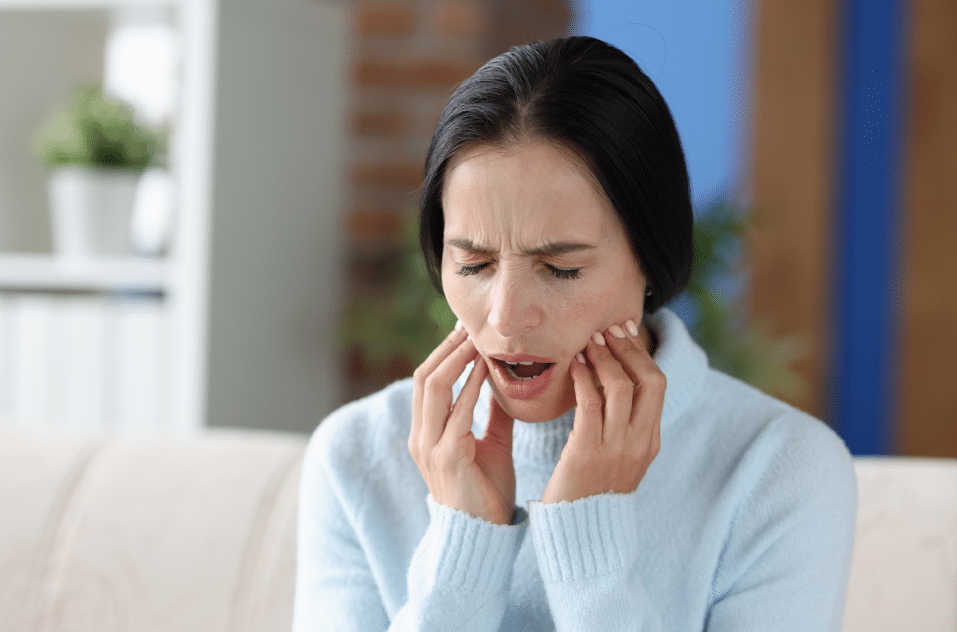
x=617, y=429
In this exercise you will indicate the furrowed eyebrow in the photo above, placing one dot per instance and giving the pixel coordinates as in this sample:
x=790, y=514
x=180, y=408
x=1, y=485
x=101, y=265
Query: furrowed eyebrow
x=557, y=249
x=469, y=246
x=548, y=250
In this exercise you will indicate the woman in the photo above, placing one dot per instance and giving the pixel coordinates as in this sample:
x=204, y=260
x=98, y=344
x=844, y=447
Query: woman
x=639, y=489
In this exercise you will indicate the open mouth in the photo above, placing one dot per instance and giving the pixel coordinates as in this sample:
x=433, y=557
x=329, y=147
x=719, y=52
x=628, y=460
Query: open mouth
x=523, y=371
x=522, y=376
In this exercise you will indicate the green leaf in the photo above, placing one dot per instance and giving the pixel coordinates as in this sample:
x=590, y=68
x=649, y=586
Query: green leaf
x=746, y=350
x=95, y=129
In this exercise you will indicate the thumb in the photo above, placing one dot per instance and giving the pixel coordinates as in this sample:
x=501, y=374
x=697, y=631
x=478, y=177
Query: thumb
x=500, y=424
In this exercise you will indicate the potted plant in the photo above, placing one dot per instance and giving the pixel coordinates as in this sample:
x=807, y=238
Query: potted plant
x=96, y=150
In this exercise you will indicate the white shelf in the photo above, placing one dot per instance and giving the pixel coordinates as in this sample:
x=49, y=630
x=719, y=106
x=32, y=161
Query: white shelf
x=249, y=296
x=41, y=272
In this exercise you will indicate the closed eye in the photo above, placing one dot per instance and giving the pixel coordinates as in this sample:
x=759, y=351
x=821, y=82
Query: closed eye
x=564, y=273
x=470, y=270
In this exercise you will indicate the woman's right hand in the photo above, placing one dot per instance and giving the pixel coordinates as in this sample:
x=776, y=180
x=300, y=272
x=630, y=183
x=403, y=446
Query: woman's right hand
x=475, y=476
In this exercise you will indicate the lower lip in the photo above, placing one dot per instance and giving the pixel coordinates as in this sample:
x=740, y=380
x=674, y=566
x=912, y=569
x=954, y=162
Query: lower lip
x=522, y=389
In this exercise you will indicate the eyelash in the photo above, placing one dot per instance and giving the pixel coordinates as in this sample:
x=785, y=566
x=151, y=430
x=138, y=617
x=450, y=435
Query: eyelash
x=559, y=273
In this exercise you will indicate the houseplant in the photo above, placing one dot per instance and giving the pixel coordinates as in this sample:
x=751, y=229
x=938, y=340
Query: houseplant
x=737, y=343
x=96, y=150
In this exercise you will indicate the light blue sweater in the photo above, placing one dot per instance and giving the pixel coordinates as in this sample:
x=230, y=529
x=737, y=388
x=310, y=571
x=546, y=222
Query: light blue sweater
x=744, y=521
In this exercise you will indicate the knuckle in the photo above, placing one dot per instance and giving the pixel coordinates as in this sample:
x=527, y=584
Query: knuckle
x=591, y=405
x=619, y=389
x=446, y=461
x=419, y=375
x=432, y=382
x=658, y=379
x=654, y=380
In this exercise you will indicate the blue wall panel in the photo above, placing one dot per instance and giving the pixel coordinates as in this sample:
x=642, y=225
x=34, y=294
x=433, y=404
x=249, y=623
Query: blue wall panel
x=862, y=397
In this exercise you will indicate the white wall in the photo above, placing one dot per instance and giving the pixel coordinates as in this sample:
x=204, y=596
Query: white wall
x=275, y=259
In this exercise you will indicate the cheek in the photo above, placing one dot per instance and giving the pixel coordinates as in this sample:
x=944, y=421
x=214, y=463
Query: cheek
x=597, y=309
x=580, y=317
x=463, y=303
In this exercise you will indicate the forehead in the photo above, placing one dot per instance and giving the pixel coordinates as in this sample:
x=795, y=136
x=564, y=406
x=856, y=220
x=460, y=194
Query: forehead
x=523, y=194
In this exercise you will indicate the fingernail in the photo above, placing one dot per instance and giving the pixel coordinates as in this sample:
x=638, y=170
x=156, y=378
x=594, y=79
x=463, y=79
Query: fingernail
x=632, y=328
x=598, y=339
x=616, y=331
x=580, y=357
x=458, y=325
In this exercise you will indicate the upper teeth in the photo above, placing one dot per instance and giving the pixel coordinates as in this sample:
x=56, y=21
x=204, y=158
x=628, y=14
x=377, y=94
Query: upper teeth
x=528, y=363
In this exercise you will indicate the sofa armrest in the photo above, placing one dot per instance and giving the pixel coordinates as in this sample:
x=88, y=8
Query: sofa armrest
x=904, y=569
x=107, y=533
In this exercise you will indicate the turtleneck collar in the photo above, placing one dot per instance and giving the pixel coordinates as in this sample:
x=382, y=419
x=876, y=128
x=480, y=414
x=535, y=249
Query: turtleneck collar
x=682, y=361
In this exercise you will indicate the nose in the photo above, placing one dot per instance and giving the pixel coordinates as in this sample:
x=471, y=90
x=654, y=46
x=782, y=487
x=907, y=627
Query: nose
x=513, y=310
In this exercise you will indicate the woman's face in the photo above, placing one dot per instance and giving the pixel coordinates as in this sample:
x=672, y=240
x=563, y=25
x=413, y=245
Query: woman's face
x=534, y=262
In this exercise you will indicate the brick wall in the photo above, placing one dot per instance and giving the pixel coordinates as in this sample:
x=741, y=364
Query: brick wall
x=408, y=57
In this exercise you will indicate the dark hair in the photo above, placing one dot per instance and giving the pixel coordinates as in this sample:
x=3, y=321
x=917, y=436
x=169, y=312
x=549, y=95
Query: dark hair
x=591, y=98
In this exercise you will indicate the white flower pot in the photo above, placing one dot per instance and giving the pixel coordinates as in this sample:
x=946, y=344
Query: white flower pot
x=91, y=210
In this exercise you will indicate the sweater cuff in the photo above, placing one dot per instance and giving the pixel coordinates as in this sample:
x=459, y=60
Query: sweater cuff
x=469, y=554
x=586, y=538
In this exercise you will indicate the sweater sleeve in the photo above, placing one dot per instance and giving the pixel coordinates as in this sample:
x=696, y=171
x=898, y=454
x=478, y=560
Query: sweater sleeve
x=588, y=557
x=458, y=577
x=460, y=574
x=784, y=565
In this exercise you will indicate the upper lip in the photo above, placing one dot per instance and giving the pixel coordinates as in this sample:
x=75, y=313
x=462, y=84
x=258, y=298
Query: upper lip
x=513, y=358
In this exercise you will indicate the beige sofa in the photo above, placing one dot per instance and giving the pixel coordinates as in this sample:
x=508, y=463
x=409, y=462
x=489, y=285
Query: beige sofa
x=138, y=535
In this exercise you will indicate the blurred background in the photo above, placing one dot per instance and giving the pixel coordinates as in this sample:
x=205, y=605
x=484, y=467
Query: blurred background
x=267, y=277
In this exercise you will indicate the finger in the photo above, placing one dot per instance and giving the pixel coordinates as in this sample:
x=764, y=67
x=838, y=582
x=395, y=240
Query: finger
x=649, y=380
x=617, y=390
x=439, y=354
x=648, y=404
x=500, y=424
x=630, y=352
x=437, y=392
x=588, y=403
x=451, y=342
x=460, y=419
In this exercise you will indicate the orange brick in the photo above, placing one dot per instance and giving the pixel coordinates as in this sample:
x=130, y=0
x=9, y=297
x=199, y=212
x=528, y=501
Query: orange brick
x=381, y=124
x=398, y=175
x=380, y=73
x=460, y=18
x=385, y=19
x=375, y=224
x=420, y=73
x=441, y=74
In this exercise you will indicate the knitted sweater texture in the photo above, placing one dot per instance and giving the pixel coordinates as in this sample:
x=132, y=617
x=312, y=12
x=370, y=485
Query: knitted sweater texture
x=744, y=521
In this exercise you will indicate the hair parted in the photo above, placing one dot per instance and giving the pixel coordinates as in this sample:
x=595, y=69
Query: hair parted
x=591, y=98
